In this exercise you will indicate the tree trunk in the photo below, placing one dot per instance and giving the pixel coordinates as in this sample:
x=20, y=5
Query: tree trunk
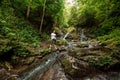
x=28, y=9
x=28, y=12
x=42, y=16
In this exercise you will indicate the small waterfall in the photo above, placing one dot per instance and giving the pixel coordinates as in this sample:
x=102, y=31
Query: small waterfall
x=71, y=44
x=66, y=35
x=83, y=37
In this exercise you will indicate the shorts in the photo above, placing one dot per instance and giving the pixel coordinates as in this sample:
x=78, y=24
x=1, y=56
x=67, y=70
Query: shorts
x=53, y=41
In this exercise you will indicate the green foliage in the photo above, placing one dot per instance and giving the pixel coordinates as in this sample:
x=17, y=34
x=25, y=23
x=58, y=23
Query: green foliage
x=102, y=16
x=45, y=36
x=53, y=11
x=16, y=35
x=20, y=6
x=44, y=51
x=107, y=26
x=78, y=55
x=4, y=46
x=21, y=51
x=103, y=61
x=61, y=42
x=112, y=40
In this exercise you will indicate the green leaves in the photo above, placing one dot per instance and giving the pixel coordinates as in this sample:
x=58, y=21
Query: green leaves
x=112, y=40
x=16, y=34
x=104, y=62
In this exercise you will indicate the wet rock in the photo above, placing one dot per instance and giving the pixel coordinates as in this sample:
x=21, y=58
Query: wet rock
x=93, y=44
x=3, y=74
x=78, y=68
x=12, y=77
x=82, y=45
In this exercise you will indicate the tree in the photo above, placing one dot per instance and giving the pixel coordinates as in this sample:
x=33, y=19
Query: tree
x=43, y=13
x=28, y=9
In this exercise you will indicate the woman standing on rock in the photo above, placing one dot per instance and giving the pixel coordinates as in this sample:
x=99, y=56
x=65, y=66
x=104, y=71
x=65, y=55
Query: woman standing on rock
x=53, y=39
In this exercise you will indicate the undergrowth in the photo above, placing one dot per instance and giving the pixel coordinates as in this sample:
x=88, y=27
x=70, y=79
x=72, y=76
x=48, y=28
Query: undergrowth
x=16, y=34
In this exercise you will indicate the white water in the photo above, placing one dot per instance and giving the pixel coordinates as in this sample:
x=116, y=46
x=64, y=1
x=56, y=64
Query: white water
x=36, y=70
x=41, y=68
x=83, y=37
x=35, y=73
x=66, y=35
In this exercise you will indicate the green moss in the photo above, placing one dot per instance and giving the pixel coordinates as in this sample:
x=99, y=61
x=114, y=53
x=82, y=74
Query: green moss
x=78, y=56
x=68, y=67
x=44, y=51
x=61, y=42
x=103, y=61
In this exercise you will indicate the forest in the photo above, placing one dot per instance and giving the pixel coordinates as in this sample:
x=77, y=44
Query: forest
x=26, y=25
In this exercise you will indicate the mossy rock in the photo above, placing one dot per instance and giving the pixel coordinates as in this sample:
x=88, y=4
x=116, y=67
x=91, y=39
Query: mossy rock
x=82, y=44
x=29, y=60
x=68, y=67
x=103, y=62
x=44, y=51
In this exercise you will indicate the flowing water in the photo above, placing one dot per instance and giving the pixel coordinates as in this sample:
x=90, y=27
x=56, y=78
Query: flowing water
x=37, y=72
x=66, y=35
x=83, y=37
x=55, y=72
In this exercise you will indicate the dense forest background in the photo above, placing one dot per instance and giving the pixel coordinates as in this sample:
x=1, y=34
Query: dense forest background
x=25, y=23
x=100, y=17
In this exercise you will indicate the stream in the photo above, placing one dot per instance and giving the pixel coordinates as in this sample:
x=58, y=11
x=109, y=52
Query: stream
x=51, y=69
x=39, y=71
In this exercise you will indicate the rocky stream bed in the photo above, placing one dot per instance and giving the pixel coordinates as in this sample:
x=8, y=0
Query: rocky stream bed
x=77, y=61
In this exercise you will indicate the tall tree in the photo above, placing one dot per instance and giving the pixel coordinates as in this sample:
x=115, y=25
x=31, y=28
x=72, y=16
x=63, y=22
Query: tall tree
x=28, y=9
x=43, y=13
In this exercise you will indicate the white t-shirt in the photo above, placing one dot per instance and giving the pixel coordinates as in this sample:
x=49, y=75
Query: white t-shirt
x=53, y=36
